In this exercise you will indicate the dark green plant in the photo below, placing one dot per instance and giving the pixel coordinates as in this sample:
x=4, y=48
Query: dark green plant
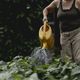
x=21, y=68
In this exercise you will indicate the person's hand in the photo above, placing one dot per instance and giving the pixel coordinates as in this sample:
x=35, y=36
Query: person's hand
x=45, y=19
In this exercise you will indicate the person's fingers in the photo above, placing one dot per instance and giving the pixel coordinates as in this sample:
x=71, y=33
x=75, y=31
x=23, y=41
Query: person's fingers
x=45, y=19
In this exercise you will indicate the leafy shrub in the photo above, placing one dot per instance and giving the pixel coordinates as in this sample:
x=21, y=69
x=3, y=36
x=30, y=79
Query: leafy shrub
x=21, y=68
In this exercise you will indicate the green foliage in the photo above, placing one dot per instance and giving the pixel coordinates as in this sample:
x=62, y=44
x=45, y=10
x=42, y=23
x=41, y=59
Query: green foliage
x=21, y=68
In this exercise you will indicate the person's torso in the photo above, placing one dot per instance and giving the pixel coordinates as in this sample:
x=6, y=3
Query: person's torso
x=69, y=19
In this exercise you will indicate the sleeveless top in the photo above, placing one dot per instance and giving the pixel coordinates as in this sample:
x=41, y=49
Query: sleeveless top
x=69, y=19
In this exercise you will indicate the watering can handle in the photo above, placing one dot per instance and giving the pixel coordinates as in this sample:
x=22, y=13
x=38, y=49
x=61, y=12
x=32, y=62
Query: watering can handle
x=45, y=24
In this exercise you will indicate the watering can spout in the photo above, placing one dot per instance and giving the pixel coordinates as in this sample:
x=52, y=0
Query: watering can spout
x=44, y=45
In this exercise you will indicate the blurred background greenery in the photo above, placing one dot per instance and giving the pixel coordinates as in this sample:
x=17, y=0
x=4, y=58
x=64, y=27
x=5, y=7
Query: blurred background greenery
x=20, y=21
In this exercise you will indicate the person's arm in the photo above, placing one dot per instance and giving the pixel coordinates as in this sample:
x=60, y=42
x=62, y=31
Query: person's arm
x=78, y=3
x=49, y=9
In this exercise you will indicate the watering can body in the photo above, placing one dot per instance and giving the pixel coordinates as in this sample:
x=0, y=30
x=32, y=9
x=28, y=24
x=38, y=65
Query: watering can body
x=46, y=36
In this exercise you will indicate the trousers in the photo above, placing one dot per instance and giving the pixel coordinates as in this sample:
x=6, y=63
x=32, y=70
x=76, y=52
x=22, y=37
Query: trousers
x=70, y=44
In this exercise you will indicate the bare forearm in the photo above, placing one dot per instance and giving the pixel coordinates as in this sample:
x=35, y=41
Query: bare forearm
x=49, y=9
x=45, y=13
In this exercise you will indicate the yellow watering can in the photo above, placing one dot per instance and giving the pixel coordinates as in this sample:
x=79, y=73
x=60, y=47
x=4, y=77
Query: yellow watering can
x=46, y=36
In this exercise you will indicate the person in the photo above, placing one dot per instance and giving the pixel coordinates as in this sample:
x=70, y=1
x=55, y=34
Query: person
x=68, y=15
